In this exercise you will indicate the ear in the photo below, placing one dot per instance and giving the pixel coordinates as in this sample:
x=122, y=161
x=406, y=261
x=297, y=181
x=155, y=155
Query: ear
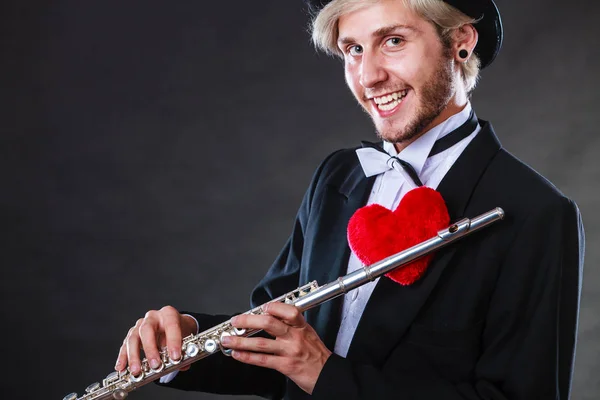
x=465, y=39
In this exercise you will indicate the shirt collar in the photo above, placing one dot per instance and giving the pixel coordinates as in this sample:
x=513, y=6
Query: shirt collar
x=417, y=152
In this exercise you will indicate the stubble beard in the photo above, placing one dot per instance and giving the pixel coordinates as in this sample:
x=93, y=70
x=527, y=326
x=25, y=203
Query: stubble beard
x=435, y=96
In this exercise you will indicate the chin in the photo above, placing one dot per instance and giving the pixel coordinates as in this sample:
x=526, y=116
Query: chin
x=402, y=129
x=395, y=133
x=396, y=128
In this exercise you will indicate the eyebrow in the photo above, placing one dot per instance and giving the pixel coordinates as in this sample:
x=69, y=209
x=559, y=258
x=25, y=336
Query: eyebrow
x=386, y=30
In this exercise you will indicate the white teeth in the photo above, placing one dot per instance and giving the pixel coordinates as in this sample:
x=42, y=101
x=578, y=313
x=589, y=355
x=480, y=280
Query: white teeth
x=390, y=97
x=390, y=106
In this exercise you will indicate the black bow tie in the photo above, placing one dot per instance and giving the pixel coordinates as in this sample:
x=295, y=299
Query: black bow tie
x=387, y=162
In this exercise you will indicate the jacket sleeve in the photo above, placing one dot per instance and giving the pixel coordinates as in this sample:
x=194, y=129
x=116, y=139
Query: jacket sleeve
x=224, y=375
x=528, y=342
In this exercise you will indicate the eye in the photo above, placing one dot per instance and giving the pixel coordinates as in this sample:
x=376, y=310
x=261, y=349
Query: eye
x=394, y=42
x=355, y=50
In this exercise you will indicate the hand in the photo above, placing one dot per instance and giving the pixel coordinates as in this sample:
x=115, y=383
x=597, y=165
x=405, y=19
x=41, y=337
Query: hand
x=297, y=351
x=165, y=327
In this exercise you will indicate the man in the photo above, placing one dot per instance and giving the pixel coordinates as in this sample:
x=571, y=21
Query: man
x=493, y=317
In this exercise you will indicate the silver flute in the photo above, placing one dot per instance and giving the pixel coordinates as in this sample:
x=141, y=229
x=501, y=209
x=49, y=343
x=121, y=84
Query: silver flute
x=117, y=385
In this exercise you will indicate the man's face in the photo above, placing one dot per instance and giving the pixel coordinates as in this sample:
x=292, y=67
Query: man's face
x=397, y=68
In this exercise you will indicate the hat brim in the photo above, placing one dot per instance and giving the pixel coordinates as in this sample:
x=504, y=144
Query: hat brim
x=491, y=34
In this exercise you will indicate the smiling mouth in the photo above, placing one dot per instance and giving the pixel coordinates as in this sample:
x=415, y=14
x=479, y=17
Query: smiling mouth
x=390, y=101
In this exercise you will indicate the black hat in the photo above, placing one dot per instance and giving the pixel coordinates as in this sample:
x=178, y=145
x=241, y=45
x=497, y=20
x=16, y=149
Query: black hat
x=489, y=25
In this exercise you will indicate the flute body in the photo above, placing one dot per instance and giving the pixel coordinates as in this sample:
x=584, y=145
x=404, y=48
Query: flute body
x=117, y=385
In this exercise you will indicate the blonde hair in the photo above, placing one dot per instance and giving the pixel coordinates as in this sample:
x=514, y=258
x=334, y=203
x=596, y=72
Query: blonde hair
x=444, y=17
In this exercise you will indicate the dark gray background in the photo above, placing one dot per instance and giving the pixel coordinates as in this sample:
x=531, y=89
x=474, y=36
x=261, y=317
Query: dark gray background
x=155, y=153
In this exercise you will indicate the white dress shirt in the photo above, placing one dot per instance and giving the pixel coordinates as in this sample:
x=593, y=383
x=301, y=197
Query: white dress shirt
x=388, y=189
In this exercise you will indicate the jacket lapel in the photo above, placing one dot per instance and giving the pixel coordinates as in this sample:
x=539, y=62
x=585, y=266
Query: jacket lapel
x=340, y=203
x=392, y=307
x=459, y=183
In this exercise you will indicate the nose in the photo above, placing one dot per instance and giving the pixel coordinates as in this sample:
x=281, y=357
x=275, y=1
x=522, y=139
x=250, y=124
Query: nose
x=371, y=70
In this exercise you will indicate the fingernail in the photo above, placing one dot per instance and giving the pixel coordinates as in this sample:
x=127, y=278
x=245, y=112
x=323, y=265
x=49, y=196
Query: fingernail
x=226, y=340
x=175, y=355
x=134, y=369
x=234, y=320
x=154, y=364
x=234, y=354
x=118, y=366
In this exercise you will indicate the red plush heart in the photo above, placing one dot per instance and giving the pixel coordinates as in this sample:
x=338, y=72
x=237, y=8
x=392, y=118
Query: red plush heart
x=374, y=232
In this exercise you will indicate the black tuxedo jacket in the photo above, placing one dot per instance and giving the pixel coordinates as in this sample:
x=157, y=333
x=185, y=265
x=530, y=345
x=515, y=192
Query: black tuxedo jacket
x=494, y=317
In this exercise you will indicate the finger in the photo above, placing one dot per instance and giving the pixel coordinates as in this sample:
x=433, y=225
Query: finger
x=148, y=335
x=258, y=359
x=267, y=323
x=288, y=313
x=253, y=344
x=171, y=321
x=133, y=350
x=122, y=357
